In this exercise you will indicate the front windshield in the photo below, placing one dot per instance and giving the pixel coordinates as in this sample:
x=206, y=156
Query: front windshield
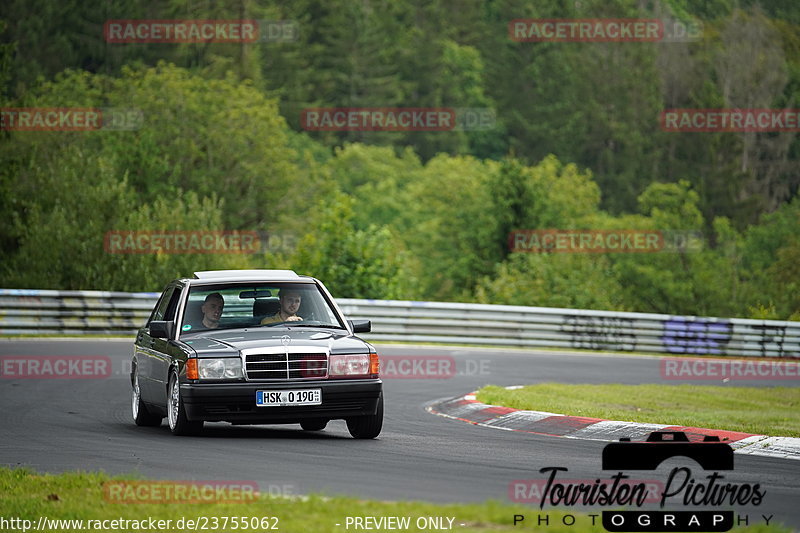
x=248, y=305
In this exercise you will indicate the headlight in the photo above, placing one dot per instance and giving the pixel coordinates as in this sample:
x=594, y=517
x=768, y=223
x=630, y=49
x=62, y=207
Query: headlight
x=228, y=368
x=351, y=366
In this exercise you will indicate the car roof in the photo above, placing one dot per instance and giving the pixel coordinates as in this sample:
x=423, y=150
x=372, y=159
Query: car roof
x=247, y=275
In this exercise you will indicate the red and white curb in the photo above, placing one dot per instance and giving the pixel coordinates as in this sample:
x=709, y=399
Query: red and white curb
x=468, y=409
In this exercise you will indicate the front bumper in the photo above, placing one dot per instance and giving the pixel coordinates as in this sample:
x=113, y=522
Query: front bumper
x=236, y=402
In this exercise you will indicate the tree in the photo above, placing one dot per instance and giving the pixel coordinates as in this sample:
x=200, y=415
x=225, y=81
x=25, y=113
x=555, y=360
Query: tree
x=449, y=226
x=571, y=280
x=207, y=155
x=353, y=263
x=767, y=254
x=377, y=179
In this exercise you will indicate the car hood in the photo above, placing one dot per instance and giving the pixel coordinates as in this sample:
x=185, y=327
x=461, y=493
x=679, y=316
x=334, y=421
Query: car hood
x=229, y=342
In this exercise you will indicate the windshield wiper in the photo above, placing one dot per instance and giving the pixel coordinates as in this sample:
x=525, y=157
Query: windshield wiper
x=300, y=324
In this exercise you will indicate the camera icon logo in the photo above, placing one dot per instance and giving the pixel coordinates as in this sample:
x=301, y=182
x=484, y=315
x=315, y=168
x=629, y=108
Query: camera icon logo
x=711, y=454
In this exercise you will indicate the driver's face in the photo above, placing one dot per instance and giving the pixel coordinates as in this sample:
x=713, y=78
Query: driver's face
x=212, y=310
x=290, y=304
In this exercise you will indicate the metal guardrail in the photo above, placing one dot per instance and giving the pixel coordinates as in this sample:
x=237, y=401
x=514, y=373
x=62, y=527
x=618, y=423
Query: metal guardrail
x=24, y=311
x=29, y=311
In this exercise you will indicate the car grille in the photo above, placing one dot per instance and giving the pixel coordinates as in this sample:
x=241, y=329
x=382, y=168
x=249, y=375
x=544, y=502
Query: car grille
x=286, y=366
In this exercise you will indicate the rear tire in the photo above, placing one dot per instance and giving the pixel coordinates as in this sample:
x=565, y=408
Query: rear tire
x=314, y=424
x=176, y=412
x=141, y=416
x=369, y=426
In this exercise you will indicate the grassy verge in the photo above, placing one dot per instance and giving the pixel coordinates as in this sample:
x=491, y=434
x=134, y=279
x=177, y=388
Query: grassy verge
x=81, y=496
x=770, y=410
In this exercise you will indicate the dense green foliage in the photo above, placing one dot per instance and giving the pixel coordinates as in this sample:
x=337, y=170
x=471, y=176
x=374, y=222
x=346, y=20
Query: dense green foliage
x=410, y=215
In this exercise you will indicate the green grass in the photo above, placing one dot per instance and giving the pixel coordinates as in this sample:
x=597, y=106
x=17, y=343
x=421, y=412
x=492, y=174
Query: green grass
x=79, y=495
x=771, y=411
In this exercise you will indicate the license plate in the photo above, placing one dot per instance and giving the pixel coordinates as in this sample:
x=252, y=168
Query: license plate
x=283, y=398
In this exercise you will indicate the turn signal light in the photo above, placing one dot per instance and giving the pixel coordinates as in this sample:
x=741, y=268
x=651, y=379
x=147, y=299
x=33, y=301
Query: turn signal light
x=374, y=364
x=191, y=369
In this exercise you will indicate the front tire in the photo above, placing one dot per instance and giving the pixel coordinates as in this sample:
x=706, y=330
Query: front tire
x=369, y=426
x=141, y=416
x=176, y=411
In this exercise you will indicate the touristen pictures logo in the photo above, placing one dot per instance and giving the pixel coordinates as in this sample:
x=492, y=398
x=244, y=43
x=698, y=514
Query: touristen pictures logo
x=687, y=500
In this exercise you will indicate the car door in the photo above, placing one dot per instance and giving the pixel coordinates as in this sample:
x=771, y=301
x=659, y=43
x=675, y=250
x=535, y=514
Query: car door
x=165, y=351
x=146, y=348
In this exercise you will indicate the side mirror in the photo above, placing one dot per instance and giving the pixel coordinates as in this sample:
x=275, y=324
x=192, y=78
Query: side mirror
x=162, y=329
x=360, y=326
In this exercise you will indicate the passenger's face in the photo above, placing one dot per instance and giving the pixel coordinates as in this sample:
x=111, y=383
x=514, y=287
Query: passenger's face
x=212, y=310
x=290, y=303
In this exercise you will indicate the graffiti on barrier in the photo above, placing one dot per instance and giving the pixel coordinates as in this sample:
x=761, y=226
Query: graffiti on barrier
x=772, y=340
x=696, y=335
x=600, y=333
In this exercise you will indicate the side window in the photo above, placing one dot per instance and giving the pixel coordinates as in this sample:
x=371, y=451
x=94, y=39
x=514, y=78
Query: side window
x=172, y=307
x=161, y=306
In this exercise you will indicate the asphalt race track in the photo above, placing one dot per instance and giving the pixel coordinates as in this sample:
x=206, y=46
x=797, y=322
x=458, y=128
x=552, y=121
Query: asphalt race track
x=55, y=425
